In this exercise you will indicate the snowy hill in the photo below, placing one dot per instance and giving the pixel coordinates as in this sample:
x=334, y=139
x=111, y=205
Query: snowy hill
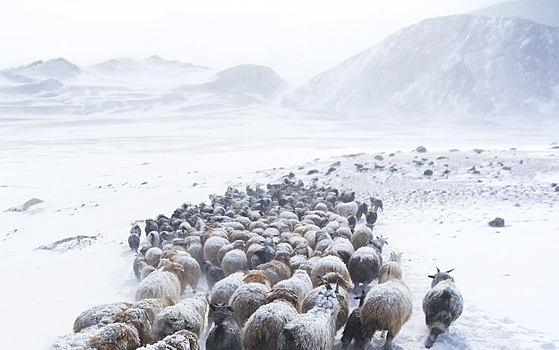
x=540, y=11
x=457, y=64
x=126, y=84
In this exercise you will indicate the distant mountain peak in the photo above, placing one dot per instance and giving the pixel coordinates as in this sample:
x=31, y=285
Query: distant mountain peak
x=455, y=64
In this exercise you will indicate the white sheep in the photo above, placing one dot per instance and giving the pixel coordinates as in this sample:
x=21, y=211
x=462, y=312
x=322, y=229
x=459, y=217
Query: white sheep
x=362, y=235
x=391, y=268
x=153, y=255
x=212, y=246
x=347, y=209
x=99, y=314
x=162, y=283
x=189, y=314
x=247, y=299
x=387, y=306
x=327, y=264
x=181, y=340
x=300, y=284
x=233, y=261
x=262, y=329
x=114, y=336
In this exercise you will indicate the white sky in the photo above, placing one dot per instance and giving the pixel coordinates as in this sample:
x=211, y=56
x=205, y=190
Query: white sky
x=298, y=39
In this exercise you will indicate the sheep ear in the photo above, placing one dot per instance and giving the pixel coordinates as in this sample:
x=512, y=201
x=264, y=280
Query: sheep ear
x=431, y=276
x=230, y=308
x=212, y=306
x=449, y=271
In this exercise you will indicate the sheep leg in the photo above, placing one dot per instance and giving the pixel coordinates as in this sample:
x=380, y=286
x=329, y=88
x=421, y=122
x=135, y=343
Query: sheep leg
x=432, y=337
x=389, y=338
x=365, y=341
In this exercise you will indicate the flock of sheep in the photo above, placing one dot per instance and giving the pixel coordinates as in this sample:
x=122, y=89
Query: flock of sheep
x=279, y=264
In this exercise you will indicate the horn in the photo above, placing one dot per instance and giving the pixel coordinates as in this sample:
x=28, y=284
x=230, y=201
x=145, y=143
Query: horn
x=431, y=276
x=438, y=270
x=449, y=271
x=337, y=287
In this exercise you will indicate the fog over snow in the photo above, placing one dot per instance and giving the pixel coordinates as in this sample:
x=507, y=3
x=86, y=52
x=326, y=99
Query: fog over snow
x=91, y=144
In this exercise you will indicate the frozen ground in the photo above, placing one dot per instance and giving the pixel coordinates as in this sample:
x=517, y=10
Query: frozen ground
x=96, y=174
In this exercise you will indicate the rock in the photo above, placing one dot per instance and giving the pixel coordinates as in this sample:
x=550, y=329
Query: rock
x=379, y=157
x=497, y=222
x=312, y=172
x=428, y=172
x=421, y=149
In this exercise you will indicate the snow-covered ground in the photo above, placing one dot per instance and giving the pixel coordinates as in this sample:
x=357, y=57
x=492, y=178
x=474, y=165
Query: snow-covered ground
x=98, y=173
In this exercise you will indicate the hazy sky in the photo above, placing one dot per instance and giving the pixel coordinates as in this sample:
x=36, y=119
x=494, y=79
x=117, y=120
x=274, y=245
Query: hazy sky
x=298, y=39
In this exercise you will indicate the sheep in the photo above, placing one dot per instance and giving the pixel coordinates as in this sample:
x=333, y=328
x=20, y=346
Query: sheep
x=114, y=336
x=364, y=265
x=347, y=209
x=233, y=261
x=300, y=284
x=277, y=269
x=134, y=241
x=362, y=235
x=153, y=255
x=164, y=282
x=327, y=264
x=189, y=314
x=315, y=329
x=391, y=268
x=141, y=315
x=191, y=270
x=212, y=246
x=225, y=334
x=247, y=299
x=181, y=340
x=262, y=329
x=223, y=290
x=442, y=305
x=314, y=296
x=213, y=274
x=153, y=239
x=387, y=306
x=100, y=314
x=151, y=225
x=137, y=265
x=352, y=330
x=341, y=247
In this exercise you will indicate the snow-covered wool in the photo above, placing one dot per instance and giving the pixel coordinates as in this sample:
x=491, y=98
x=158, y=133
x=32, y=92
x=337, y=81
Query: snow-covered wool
x=153, y=239
x=262, y=329
x=153, y=255
x=342, y=247
x=188, y=314
x=327, y=264
x=247, y=299
x=347, y=209
x=276, y=270
x=256, y=276
x=391, y=269
x=361, y=237
x=233, y=261
x=141, y=315
x=314, y=296
x=352, y=330
x=300, y=284
x=314, y=330
x=151, y=225
x=212, y=246
x=191, y=269
x=387, y=307
x=213, y=274
x=134, y=241
x=226, y=333
x=195, y=249
x=239, y=244
x=114, y=336
x=223, y=290
x=364, y=265
x=323, y=241
x=137, y=264
x=442, y=305
x=162, y=283
x=99, y=314
x=181, y=340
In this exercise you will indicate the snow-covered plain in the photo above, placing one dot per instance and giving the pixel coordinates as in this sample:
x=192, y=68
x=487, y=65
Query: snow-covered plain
x=98, y=173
